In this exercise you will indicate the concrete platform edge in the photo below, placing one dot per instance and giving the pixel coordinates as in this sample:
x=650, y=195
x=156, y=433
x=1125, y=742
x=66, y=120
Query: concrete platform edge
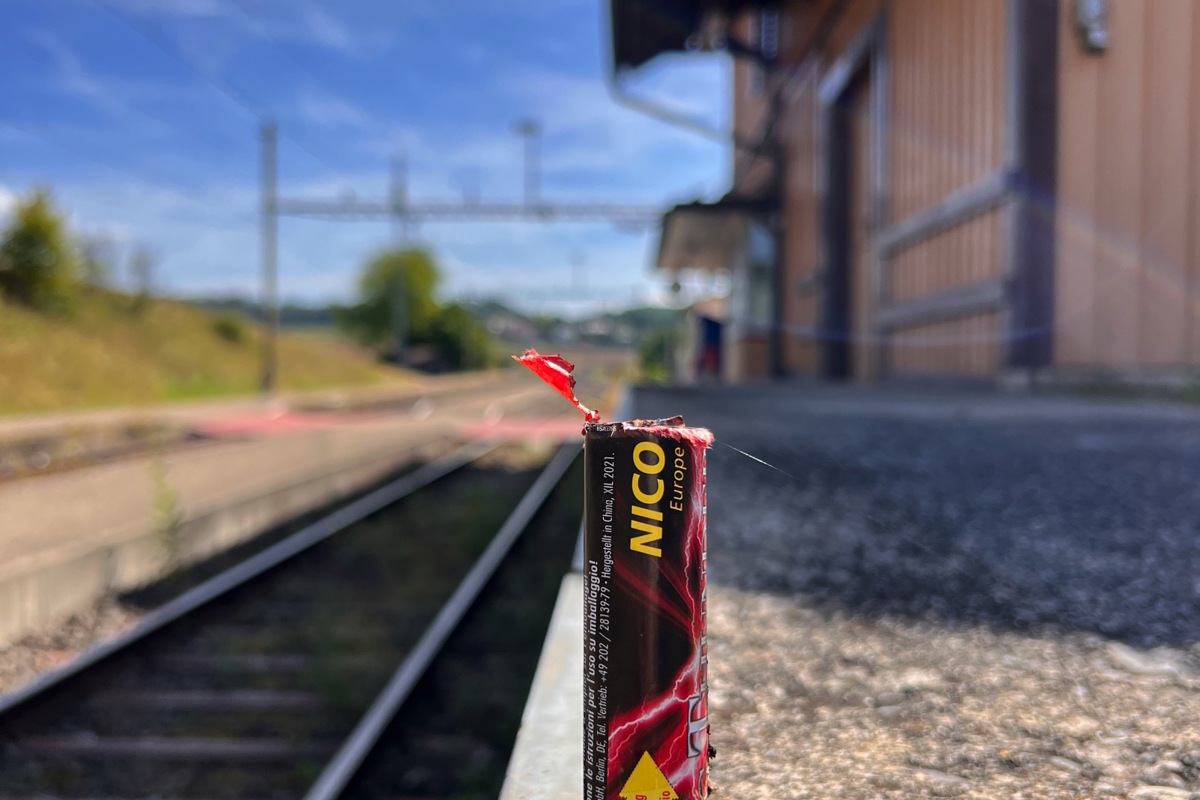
x=547, y=759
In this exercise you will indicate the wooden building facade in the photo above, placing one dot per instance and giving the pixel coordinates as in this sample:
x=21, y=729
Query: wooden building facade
x=973, y=189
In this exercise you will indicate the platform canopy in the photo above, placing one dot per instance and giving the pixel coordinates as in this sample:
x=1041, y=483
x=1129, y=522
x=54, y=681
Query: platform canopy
x=705, y=236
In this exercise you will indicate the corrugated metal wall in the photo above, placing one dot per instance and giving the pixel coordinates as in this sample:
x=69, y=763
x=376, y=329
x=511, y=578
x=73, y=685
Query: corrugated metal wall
x=963, y=254
x=1128, y=265
x=801, y=284
x=947, y=125
x=1127, y=283
x=801, y=204
x=964, y=346
x=945, y=132
x=751, y=173
x=947, y=98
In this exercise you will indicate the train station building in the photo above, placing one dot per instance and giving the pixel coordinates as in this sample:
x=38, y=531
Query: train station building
x=990, y=190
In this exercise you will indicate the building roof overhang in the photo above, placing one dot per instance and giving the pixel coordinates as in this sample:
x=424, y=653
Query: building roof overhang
x=705, y=236
x=643, y=29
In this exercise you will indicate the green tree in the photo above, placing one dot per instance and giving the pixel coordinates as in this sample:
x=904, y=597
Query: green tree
x=656, y=353
x=460, y=338
x=143, y=260
x=398, y=305
x=397, y=296
x=38, y=264
x=97, y=255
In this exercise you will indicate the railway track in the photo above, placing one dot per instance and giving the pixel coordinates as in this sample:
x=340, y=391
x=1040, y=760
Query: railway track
x=43, y=452
x=279, y=677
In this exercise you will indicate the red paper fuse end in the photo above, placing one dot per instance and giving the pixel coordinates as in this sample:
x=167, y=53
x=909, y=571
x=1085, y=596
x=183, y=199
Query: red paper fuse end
x=556, y=371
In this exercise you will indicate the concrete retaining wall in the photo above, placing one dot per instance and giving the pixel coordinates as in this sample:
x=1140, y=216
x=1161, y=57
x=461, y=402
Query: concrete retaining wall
x=49, y=591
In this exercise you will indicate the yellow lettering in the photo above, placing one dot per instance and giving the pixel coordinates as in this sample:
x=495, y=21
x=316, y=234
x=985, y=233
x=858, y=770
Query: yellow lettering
x=638, y=525
x=641, y=544
x=648, y=459
x=659, y=455
x=648, y=499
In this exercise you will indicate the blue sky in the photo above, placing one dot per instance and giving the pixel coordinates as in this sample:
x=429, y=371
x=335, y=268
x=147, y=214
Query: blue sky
x=142, y=117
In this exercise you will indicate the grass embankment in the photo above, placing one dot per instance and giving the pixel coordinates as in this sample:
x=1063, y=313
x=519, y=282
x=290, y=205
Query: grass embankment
x=112, y=350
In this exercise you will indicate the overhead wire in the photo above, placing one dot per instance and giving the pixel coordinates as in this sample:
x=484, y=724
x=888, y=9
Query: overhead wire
x=46, y=133
x=242, y=9
x=41, y=132
x=229, y=90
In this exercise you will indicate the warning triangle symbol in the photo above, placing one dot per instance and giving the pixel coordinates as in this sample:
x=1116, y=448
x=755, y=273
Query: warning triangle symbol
x=648, y=783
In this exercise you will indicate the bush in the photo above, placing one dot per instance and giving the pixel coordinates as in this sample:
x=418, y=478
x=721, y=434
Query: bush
x=392, y=275
x=231, y=328
x=450, y=335
x=656, y=354
x=97, y=256
x=460, y=338
x=38, y=264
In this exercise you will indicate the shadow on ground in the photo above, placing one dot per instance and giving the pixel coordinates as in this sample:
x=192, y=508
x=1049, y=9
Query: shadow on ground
x=1009, y=512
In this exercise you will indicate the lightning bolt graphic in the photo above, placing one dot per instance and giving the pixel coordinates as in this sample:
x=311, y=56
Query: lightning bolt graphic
x=676, y=594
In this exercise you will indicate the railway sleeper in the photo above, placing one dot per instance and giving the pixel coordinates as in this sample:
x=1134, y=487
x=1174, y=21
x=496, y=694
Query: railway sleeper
x=236, y=639
x=205, y=723
x=280, y=671
x=217, y=769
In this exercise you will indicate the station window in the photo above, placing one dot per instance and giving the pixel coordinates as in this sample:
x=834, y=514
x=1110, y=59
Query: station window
x=754, y=283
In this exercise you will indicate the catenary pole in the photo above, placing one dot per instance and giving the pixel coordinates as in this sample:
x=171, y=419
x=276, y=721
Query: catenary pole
x=268, y=223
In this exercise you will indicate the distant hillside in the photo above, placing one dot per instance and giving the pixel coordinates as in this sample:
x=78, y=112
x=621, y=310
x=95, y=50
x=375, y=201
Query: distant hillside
x=625, y=328
x=112, y=352
x=290, y=316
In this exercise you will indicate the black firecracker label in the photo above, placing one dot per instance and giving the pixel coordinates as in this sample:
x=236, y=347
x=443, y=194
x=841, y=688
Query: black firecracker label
x=645, y=658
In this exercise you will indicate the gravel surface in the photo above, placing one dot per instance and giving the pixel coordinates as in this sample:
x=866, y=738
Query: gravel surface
x=972, y=596
x=59, y=644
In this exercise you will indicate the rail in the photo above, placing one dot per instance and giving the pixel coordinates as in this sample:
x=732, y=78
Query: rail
x=341, y=769
x=247, y=570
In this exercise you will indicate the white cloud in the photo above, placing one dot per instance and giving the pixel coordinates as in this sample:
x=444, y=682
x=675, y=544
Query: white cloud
x=303, y=22
x=71, y=77
x=325, y=30
x=624, y=155
x=209, y=245
x=174, y=8
x=694, y=85
x=542, y=263
x=592, y=149
x=118, y=233
x=8, y=201
x=328, y=111
x=315, y=25
x=597, y=136
x=295, y=21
